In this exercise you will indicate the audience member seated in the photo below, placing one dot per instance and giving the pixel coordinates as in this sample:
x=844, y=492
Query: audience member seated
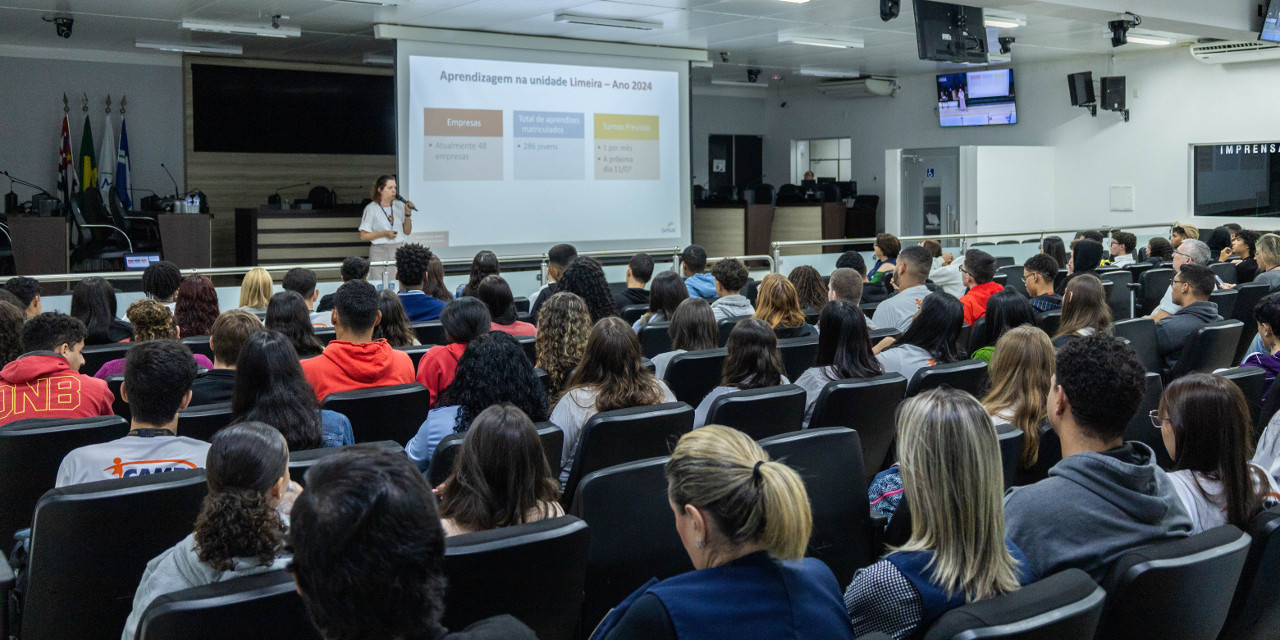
x=434, y=283
x=354, y=360
x=731, y=276
x=93, y=302
x=160, y=281
x=562, y=339
x=1021, y=373
x=1053, y=247
x=871, y=292
x=242, y=524
x=1245, y=245
x=157, y=384
x=666, y=293
x=946, y=271
x=1106, y=496
x=1159, y=251
x=303, y=282
x=151, y=321
x=463, y=320
x=287, y=313
x=611, y=376
x=887, y=249
x=45, y=381
x=1219, y=242
x=501, y=477
x=693, y=264
x=693, y=328
x=395, y=327
x=810, y=290
x=1038, y=275
x=931, y=339
x=753, y=362
x=271, y=388
x=27, y=291
x=1196, y=252
x=779, y=306
x=1123, y=246
x=255, y=290
x=1006, y=310
x=559, y=258
x=844, y=350
x=910, y=274
x=492, y=370
x=957, y=554
x=230, y=331
x=495, y=293
x=585, y=278
x=979, y=272
x=845, y=285
x=1084, y=311
x=385, y=579
x=1267, y=316
x=1191, y=289
x=412, y=261
x=639, y=272
x=484, y=264
x=353, y=268
x=11, y=319
x=745, y=523
x=1182, y=232
x=195, y=306
x=1086, y=256
x=1205, y=424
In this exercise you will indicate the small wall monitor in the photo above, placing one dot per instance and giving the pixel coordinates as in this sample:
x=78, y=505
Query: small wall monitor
x=976, y=98
x=1271, y=23
x=950, y=32
x=139, y=261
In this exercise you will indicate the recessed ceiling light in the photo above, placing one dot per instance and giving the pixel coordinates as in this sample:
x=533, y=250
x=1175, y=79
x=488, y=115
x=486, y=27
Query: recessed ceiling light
x=740, y=83
x=1000, y=21
x=796, y=1
x=573, y=18
x=829, y=73
x=383, y=3
x=820, y=42
x=1155, y=41
x=190, y=47
x=241, y=29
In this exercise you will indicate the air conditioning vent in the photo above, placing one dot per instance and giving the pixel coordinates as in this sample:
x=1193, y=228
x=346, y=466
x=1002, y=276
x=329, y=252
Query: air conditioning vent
x=1226, y=52
x=859, y=88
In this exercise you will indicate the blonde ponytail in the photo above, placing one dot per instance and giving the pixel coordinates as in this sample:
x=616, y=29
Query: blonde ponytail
x=751, y=499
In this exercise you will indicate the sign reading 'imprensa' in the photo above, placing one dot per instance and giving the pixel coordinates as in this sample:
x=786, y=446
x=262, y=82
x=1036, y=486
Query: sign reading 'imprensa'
x=1254, y=147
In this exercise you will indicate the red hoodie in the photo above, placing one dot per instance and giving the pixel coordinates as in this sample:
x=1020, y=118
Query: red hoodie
x=438, y=366
x=345, y=366
x=42, y=385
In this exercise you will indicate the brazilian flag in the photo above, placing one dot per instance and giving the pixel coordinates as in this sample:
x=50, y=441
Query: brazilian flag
x=87, y=166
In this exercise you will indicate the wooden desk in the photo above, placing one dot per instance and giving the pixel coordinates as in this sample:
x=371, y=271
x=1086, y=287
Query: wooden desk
x=40, y=246
x=733, y=230
x=809, y=222
x=185, y=239
x=282, y=236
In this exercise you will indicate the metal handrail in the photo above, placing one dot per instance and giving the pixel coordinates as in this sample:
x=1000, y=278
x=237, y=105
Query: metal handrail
x=773, y=264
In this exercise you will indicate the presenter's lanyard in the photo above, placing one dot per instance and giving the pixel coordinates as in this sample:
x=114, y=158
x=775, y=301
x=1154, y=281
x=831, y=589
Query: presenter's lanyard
x=391, y=218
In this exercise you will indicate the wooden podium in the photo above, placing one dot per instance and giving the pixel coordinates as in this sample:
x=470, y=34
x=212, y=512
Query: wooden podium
x=185, y=239
x=40, y=247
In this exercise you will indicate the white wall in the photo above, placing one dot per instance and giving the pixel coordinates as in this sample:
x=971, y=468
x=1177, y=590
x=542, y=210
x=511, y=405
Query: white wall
x=711, y=114
x=31, y=116
x=1008, y=183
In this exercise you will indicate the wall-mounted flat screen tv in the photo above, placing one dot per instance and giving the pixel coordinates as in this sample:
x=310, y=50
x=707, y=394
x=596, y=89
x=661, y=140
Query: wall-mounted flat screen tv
x=976, y=98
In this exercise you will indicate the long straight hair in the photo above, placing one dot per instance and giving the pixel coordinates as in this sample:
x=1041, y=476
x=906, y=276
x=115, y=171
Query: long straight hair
x=1021, y=372
x=666, y=292
x=1053, y=247
x=777, y=302
x=693, y=326
x=611, y=365
x=844, y=343
x=954, y=481
x=395, y=326
x=433, y=285
x=1084, y=306
x=271, y=388
x=1005, y=310
x=255, y=289
x=936, y=327
x=287, y=313
x=754, y=360
x=93, y=302
x=484, y=264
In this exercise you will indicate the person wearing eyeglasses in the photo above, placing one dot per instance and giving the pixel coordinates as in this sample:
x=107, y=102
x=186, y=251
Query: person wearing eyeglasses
x=1191, y=289
x=979, y=272
x=1188, y=252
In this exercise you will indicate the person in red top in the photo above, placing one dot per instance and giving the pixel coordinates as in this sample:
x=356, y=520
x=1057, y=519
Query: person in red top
x=495, y=293
x=979, y=271
x=45, y=382
x=355, y=360
x=463, y=319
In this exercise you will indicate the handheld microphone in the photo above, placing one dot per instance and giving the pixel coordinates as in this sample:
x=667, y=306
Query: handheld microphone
x=175, y=182
x=406, y=202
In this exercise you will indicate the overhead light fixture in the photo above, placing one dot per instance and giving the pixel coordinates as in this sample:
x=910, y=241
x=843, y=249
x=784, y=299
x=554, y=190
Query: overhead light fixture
x=702, y=64
x=1155, y=41
x=190, y=47
x=241, y=29
x=999, y=21
x=378, y=58
x=829, y=73
x=739, y=83
x=789, y=38
x=620, y=23
x=795, y=1
x=382, y=3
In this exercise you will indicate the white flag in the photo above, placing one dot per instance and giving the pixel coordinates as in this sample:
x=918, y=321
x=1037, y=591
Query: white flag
x=107, y=162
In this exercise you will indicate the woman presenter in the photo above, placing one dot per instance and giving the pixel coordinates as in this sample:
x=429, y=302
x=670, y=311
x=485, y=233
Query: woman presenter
x=386, y=222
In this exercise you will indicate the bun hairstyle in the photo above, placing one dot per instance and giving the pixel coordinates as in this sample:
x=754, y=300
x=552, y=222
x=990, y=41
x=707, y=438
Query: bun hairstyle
x=237, y=519
x=750, y=498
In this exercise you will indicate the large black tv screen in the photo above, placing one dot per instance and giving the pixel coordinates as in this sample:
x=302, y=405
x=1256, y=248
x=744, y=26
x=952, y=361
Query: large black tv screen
x=257, y=110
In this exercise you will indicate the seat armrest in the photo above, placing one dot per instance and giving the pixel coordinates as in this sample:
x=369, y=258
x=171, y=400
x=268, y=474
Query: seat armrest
x=1134, y=286
x=878, y=523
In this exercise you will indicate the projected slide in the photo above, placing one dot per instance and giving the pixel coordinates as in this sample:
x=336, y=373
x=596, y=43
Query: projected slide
x=515, y=153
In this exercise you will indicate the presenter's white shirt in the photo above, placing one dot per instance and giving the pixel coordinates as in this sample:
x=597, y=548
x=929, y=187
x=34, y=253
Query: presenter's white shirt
x=131, y=456
x=375, y=220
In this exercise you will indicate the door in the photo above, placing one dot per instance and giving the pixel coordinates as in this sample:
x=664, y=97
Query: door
x=930, y=192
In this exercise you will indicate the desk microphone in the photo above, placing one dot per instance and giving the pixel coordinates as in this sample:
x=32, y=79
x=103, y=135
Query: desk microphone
x=406, y=202
x=175, y=182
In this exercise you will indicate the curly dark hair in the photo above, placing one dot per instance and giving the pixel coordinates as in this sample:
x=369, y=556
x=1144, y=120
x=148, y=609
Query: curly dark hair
x=809, y=287
x=237, y=520
x=491, y=371
x=1104, y=381
x=161, y=279
x=197, y=306
x=412, y=262
x=24, y=288
x=11, y=319
x=731, y=274
x=586, y=278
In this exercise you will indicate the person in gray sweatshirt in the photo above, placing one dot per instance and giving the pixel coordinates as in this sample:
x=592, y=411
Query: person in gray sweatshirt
x=1106, y=496
x=242, y=525
x=1191, y=289
x=731, y=275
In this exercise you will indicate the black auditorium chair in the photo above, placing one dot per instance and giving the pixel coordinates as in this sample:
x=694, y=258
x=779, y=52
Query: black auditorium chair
x=1013, y=278
x=31, y=452
x=830, y=463
x=726, y=327
x=325, y=336
x=535, y=572
x=301, y=461
x=1226, y=301
x=1139, y=268
x=1226, y=271
x=203, y=421
x=1049, y=321
x=522, y=304
x=760, y=413
x=118, y=405
x=199, y=345
x=1178, y=589
x=1210, y=348
x=1250, y=380
x=624, y=435
x=1255, y=608
x=693, y=374
x=416, y=352
x=90, y=544
x=96, y=356
x=1248, y=296
x=430, y=332
x=1154, y=283
x=633, y=534
x=1140, y=427
x=447, y=450
x=267, y=603
x=631, y=313
x=1010, y=450
x=880, y=333
x=1141, y=334
x=1063, y=606
x=868, y=406
x=529, y=345
x=654, y=339
x=965, y=375
x=383, y=413
x=1121, y=297
x=977, y=336
x=798, y=354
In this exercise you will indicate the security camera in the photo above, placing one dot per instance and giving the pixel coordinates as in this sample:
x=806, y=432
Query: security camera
x=62, y=25
x=753, y=75
x=1120, y=28
x=724, y=56
x=889, y=9
x=1006, y=44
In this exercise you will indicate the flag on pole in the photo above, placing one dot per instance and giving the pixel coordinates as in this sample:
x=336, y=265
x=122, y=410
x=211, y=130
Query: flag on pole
x=87, y=165
x=106, y=162
x=68, y=185
x=122, y=169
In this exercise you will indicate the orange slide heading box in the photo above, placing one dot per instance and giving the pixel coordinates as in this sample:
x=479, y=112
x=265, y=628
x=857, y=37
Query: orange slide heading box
x=483, y=123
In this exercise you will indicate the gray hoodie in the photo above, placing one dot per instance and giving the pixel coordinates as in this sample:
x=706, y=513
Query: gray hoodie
x=1173, y=332
x=1092, y=508
x=734, y=306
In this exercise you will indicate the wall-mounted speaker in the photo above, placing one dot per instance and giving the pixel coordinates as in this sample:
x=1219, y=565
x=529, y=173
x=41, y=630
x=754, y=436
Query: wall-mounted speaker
x=1081, y=85
x=1113, y=93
